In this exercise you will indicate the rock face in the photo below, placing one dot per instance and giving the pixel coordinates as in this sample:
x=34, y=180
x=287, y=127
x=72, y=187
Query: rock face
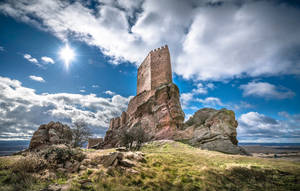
x=94, y=142
x=51, y=134
x=213, y=130
x=156, y=107
x=160, y=115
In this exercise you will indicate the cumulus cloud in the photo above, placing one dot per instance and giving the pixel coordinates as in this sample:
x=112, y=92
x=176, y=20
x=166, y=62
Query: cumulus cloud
x=47, y=60
x=208, y=40
x=30, y=58
x=256, y=127
x=210, y=102
x=203, y=89
x=22, y=110
x=266, y=90
x=108, y=92
x=82, y=91
x=37, y=78
x=185, y=98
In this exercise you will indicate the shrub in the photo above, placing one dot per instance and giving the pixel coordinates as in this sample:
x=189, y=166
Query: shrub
x=31, y=163
x=81, y=133
x=60, y=154
x=133, y=138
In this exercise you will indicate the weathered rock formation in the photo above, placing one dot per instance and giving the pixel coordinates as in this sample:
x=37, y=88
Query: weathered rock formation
x=51, y=134
x=94, y=142
x=213, y=130
x=156, y=108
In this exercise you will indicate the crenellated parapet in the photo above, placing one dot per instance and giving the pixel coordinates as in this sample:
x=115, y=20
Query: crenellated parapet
x=155, y=70
x=119, y=122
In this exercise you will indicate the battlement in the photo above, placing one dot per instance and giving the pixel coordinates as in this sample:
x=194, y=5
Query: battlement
x=160, y=48
x=155, y=70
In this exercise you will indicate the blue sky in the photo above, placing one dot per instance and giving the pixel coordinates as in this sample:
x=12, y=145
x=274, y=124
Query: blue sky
x=241, y=56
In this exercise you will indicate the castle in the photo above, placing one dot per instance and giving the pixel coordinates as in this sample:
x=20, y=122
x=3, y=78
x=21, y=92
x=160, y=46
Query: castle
x=157, y=110
x=154, y=72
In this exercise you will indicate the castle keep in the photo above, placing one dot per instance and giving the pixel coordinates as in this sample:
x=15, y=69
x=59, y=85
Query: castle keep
x=155, y=70
x=156, y=107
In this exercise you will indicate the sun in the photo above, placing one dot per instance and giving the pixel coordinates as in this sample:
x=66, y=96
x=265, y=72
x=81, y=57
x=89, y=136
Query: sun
x=67, y=54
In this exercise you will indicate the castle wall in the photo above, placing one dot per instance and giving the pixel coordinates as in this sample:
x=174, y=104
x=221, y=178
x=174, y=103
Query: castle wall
x=152, y=73
x=137, y=101
x=144, y=76
x=161, y=72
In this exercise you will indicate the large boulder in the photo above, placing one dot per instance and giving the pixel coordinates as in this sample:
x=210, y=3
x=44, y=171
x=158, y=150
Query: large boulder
x=213, y=130
x=52, y=133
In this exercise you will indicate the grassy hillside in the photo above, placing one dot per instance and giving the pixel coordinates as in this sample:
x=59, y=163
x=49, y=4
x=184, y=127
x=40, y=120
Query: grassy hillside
x=175, y=166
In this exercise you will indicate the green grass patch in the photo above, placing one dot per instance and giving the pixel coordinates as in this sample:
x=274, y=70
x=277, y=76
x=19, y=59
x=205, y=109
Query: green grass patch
x=177, y=166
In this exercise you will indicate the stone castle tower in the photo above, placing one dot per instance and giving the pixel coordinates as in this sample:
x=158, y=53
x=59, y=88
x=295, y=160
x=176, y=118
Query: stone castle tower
x=156, y=107
x=155, y=70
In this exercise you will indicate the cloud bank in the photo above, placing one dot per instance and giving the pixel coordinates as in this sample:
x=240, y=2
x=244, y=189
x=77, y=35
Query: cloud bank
x=209, y=40
x=256, y=127
x=22, y=110
x=266, y=90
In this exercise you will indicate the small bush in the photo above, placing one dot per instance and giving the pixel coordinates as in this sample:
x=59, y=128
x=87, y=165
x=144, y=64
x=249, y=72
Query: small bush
x=29, y=164
x=133, y=138
x=60, y=154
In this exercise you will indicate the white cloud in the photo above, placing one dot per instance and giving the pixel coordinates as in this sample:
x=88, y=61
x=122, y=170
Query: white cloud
x=82, y=91
x=47, y=60
x=210, y=102
x=95, y=86
x=256, y=127
x=22, y=110
x=240, y=105
x=2, y=48
x=187, y=117
x=185, y=98
x=37, y=78
x=203, y=89
x=108, y=92
x=30, y=58
x=266, y=90
x=207, y=42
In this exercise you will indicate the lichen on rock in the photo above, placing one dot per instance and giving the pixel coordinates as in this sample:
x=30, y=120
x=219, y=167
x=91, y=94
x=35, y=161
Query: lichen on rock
x=50, y=134
x=213, y=130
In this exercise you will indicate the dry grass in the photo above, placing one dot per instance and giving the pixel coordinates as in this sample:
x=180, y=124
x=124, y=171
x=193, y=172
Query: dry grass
x=176, y=166
x=18, y=172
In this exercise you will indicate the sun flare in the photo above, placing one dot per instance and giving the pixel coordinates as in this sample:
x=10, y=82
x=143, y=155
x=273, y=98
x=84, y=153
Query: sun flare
x=67, y=54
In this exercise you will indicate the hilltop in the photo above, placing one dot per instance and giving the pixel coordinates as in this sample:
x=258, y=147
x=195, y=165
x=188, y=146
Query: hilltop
x=160, y=165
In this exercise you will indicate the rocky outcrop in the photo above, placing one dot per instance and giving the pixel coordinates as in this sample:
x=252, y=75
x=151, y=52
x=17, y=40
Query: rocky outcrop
x=94, y=142
x=213, y=130
x=157, y=111
x=156, y=108
x=50, y=134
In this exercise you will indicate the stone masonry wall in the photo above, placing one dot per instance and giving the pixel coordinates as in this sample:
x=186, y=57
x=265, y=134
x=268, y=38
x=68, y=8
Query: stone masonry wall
x=161, y=72
x=144, y=76
x=155, y=70
x=152, y=73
